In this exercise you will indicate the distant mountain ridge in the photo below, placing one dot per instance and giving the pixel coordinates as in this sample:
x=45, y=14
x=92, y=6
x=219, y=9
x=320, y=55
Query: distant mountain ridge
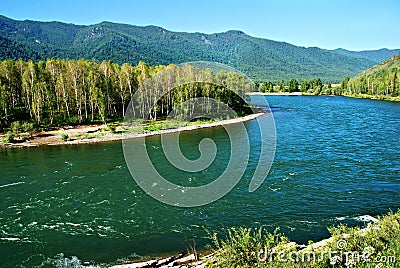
x=375, y=55
x=260, y=59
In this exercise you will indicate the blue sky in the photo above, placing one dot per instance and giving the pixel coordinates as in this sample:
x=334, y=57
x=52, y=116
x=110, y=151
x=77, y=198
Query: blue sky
x=351, y=24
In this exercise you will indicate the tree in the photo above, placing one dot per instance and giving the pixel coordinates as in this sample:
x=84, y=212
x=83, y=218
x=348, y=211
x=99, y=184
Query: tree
x=293, y=85
x=262, y=87
x=304, y=86
x=282, y=86
x=58, y=92
x=270, y=87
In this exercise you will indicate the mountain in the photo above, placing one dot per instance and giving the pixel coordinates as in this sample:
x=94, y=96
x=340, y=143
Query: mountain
x=376, y=55
x=381, y=81
x=260, y=59
x=389, y=65
x=13, y=50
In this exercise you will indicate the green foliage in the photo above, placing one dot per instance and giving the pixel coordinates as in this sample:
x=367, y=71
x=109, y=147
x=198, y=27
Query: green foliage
x=59, y=92
x=10, y=49
x=380, y=82
x=375, y=55
x=64, y=137
x=16, y=127
x=293, y=85
x=345, y=82
x=19, y=127
x=201, y=121
x=111, y=128
x=313, y=87
x=241, y=247
x=259, y=58
x=304, y=86
x=376, y=246
x=9, y=138
x=282, y=86
x=267, y=86
x=153, y=127
x=381, y=240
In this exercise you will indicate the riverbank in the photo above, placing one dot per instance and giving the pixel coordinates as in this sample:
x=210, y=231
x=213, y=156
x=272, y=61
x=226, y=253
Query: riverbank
x=69, y=135
x=276, y=93
x=357, y=96
x=373, y=97
x=375, y=244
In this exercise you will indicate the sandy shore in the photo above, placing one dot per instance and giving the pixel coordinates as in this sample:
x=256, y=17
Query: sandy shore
x=99, y=133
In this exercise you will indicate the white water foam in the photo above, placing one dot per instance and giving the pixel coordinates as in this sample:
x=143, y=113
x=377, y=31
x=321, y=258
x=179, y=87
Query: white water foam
x=10, y=238
x=308, y=222
x=60, y=261
x=12, y=184
x=366, y=218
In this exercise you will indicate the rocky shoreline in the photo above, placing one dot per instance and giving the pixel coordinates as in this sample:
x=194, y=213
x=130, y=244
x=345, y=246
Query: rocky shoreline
x=193, y=260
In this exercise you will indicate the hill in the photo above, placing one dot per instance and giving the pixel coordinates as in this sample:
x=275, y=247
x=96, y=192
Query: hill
x=261, y=59
x=375, y=55
x=381, y=81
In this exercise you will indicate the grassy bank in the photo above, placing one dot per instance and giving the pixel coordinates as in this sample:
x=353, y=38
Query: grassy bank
x=378, y=245
x=373, y=97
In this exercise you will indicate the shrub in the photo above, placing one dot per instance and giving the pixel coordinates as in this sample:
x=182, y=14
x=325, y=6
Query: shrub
x=29, y=127
x=375, y=246
x=16, y=127
x=64, y=137
x=19, y=127
x=8, y=138
x=111, y=128
x=242, y=246
x=153, y=127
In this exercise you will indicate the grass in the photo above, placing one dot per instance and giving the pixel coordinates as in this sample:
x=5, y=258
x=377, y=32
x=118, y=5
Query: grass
x=373, y=97
x=89, y=136
x=172, y=124
x=378, y=245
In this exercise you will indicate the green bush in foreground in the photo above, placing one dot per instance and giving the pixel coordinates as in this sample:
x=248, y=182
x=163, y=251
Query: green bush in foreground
x=64, y=137
x=242, y=245
x=8, y=138
x=19, y=127
x=378, y=245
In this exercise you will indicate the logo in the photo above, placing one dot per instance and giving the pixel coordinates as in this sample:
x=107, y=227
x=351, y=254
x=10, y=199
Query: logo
x=181, y=94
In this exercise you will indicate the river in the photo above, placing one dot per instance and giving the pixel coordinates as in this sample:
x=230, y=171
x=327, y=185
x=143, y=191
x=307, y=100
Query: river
x=336, y=160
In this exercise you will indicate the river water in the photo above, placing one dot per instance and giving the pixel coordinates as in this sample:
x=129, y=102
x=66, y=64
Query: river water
x=337, y=160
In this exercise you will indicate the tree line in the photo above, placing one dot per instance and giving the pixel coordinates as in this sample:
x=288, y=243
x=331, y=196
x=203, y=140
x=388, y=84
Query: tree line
x=59, y=92
x=312, y=86
x=380, y=81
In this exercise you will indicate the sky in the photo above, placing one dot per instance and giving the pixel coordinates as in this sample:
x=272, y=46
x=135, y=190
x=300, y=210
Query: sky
x=350, y=24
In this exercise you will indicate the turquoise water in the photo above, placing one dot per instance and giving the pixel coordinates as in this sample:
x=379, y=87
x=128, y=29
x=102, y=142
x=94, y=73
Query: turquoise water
x=336, y=159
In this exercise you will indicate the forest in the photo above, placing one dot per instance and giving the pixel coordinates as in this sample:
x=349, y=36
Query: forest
x=312, y=87
x=67, y=92
x=379, y=81
x=258, y=58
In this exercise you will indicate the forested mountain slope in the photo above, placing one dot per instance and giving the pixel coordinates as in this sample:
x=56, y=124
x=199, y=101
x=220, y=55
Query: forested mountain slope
x=375, y=55
x=380, y=81
x=261, y=59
